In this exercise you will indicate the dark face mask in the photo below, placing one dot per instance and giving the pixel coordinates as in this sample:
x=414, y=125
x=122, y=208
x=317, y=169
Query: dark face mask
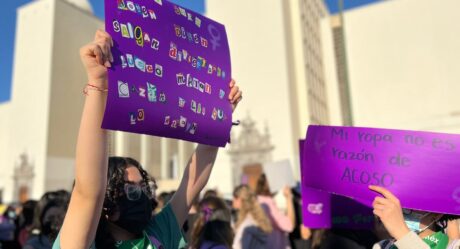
x=134, y=215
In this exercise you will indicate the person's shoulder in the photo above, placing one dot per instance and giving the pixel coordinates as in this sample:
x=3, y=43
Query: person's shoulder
x=455, y=244
x=164, y=227
x=166, y=215
x=212, y=245
x=37, y=241
x=384, y=244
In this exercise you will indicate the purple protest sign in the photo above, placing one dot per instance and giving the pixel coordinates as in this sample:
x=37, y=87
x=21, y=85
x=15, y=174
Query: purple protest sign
x=350, y=214
x=316, y=208
x=171, y=72
x=316, y=212
x=324, y=210
x=421, y=168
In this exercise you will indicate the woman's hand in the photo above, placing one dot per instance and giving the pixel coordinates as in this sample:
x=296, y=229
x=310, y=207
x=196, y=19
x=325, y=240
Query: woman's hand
x=235, y=95
x=388, y=209
x=97, y=57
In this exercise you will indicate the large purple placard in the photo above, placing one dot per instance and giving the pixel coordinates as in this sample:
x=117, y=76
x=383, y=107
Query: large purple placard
x=171, y=72
x=421, y=168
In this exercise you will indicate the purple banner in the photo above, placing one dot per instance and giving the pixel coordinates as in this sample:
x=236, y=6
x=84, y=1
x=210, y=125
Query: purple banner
x=171, y=72
x=324, y=210
x=421, y=168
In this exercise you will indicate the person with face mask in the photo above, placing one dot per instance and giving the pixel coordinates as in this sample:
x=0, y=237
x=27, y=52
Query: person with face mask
x=48, y=217
x=111, y=206
x=410, y=229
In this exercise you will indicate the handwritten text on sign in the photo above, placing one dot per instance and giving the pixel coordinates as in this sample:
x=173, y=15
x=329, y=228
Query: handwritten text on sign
x=421, y=168
x=321, y=209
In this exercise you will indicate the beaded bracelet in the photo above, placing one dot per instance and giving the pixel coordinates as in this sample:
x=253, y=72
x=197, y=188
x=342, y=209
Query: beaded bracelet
x=93, y=87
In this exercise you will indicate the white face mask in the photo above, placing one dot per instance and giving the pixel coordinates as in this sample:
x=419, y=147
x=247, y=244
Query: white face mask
x=413, y=219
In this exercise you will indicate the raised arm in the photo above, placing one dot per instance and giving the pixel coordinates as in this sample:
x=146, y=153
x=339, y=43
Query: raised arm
x=80, y=223
x=198, y=170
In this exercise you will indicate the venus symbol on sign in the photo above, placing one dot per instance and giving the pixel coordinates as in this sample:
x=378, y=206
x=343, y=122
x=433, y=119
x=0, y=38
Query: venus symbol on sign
x=215, y=34
x=456, y=194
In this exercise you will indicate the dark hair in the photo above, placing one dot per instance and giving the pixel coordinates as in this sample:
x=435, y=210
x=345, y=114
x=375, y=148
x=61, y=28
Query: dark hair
x=441, y=224
x=213, y=223
x=27, y=214
x=209, y=193
x=55, y=199
x=262, y=187
x=114, y=191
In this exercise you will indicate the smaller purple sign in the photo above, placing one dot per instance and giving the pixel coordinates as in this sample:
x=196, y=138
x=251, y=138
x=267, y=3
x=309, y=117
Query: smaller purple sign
x=420, y=168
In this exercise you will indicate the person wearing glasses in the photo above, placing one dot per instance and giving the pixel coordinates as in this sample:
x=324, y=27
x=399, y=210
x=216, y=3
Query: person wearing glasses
x=410, y=229
x=112, y=201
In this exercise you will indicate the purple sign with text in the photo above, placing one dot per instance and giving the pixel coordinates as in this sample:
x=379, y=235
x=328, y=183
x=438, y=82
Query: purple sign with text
x=421, y=168
x=324, y=210
x=171, y=72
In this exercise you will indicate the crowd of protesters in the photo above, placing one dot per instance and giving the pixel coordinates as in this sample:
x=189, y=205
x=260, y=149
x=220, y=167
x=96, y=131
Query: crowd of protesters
x=250, y=220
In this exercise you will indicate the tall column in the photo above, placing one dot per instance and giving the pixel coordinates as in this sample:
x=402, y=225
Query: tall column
x=182, y=160
x=145, y=152
x=120, y=143
x=164, y=158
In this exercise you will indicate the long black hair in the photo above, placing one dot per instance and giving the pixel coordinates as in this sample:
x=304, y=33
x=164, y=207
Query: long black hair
x=441, y=224
x=114, y=191
x=50, y=228
x=213, y=224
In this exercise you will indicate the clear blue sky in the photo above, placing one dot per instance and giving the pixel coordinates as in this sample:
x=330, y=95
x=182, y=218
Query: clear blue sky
x=8, y=25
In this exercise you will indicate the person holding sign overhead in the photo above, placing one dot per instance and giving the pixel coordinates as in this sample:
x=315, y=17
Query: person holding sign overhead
x=112, y=202
x=410, y=229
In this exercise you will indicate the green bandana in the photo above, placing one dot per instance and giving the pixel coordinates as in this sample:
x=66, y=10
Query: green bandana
x=436, y=241
x=142, y=243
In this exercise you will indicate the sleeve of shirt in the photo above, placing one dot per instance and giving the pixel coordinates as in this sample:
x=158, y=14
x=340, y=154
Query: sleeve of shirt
x=411, y=241
x=165, y=229
x=454, y=244
x=281, y=220
x=57, y=242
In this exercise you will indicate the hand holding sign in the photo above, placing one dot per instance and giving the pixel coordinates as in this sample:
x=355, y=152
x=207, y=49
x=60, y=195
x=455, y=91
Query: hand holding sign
x=388, y=209
x=236, y=95
x=97, y=57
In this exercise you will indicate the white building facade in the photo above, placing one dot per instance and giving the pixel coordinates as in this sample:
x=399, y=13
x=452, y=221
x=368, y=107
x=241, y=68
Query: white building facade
x=278, y=62
x=403, y=67
x=37, y=144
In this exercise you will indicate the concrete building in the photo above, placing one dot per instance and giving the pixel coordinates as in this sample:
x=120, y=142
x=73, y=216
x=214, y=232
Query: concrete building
x=402, y=60
x=40, y=124
x=277, y=58
x=47, y=82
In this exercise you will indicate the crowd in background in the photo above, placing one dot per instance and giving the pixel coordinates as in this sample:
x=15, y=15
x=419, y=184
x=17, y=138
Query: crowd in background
x=250, y=220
